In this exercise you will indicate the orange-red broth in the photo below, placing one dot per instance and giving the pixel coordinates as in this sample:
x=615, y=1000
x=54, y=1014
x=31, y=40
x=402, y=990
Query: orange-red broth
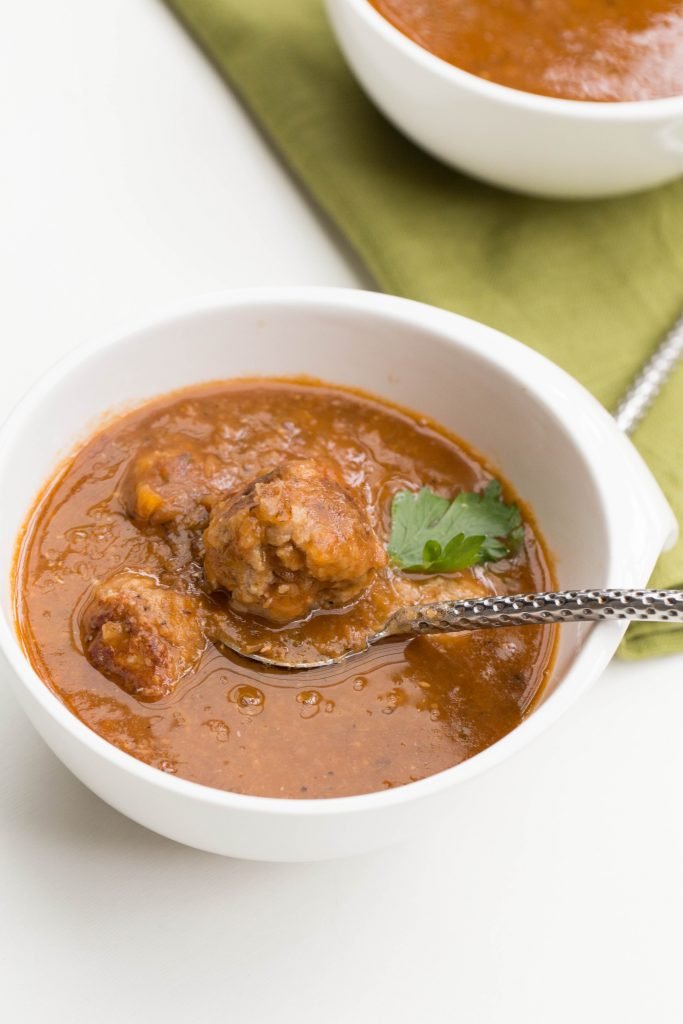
x=400, y=713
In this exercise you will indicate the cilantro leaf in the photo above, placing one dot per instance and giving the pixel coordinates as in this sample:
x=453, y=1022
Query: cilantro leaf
x=432, y=534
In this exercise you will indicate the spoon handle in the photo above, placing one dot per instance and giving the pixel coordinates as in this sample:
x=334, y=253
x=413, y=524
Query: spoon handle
x=534, y=609
x=650, y=380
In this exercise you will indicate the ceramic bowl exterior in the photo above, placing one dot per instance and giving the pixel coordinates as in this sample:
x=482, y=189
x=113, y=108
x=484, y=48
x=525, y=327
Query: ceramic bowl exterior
x=596, y=502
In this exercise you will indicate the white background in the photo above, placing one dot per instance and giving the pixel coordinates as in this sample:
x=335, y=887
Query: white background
x=129, y=179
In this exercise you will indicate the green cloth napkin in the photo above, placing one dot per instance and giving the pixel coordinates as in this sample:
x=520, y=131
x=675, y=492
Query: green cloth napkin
x=592, y=285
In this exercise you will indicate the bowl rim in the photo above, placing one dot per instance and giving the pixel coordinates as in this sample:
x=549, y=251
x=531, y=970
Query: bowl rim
x=589, y=110
x=545, y=383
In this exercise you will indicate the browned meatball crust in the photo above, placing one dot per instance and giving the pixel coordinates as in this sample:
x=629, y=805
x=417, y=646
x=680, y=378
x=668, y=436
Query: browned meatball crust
x=295, y=540
x=141, y=635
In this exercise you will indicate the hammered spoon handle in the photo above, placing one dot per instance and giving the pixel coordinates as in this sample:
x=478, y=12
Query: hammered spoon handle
x=523, y=609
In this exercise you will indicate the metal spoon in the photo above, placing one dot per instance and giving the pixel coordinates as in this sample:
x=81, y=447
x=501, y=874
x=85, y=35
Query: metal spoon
x=532, y=609
x=493, y=612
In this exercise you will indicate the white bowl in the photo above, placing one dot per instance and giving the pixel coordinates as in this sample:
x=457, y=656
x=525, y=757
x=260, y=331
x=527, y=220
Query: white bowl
x=597, y=504
x=518, y=140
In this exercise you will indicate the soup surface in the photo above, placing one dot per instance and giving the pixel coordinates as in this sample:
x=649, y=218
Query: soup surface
x=575, y=49
x=130, y=572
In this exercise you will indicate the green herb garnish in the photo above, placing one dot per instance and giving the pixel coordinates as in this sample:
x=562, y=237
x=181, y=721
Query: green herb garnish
x=432, y=534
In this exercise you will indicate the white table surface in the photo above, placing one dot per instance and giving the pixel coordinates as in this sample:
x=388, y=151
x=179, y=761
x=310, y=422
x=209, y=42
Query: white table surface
x=130, y=178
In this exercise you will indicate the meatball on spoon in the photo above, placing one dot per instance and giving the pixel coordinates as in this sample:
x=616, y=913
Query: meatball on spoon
x=296, y=540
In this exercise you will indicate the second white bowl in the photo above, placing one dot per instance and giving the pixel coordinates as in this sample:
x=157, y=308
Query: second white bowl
x=518, y=140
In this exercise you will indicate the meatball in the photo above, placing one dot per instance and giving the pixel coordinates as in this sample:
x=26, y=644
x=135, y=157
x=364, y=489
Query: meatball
x=296, y=539
x=174, y=487
x=141, y=635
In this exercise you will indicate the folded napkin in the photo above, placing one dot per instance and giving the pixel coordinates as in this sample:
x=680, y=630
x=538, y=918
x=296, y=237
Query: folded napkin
x=591, y=285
